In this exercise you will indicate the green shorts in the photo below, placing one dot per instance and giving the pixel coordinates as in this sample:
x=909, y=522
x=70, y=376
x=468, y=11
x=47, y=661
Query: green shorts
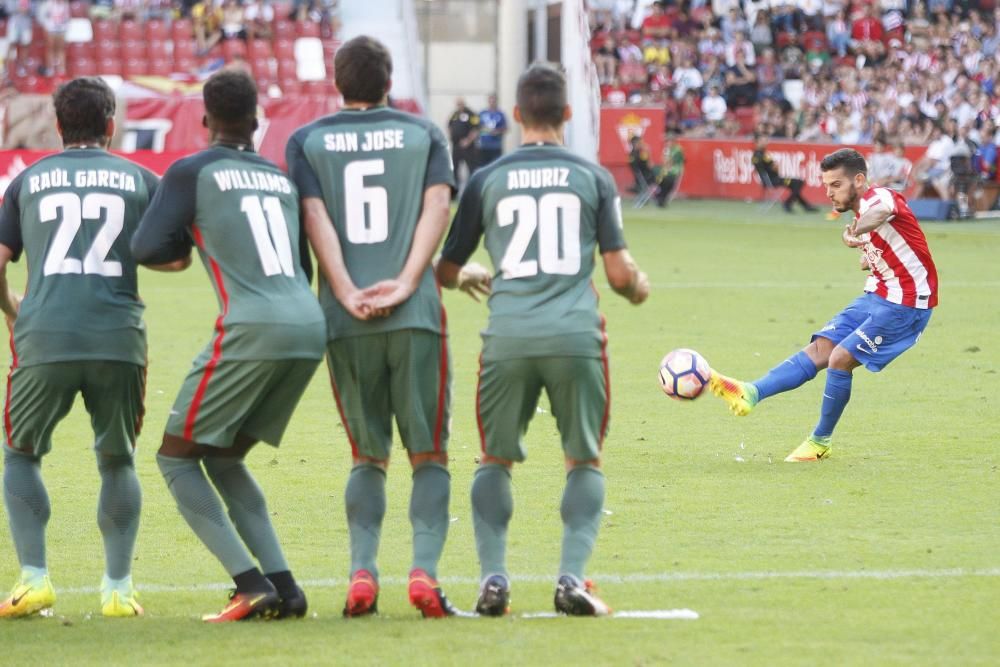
x=252, y=398
x=507, y=398
x=38, y=397
x=406, y=374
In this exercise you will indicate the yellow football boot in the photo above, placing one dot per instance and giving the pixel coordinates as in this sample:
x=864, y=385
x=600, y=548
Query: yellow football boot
x=809, y=450
x=741, y=397
x=115, y=604
x=28, y=597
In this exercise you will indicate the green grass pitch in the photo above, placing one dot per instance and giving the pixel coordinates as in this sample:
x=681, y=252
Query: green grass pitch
x=886, y=554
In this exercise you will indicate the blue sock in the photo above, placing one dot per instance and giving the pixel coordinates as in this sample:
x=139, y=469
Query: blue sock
x=835, y=397
x=793, y=372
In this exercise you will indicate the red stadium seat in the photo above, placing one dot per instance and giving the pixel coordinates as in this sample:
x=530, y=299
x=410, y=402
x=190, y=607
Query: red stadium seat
x=259, y=48
x=160, y=67
x=307, y=29
x=157, y=29
x=330, y=46
x=290, y=87
x=815, y=39
x=231, y=48
x=109, y=65
x=82, y=67
x=181, y=30
x=79, y=9
x=132, y=49
x=284, y=48
x=158, y=49
x=284, y=29
x=79, y=50
x=135, y=66
x=261, y=68
x=3, y=27
x=314, y=87
x=130, y=31
x=287, y=69
x=104, y=30
x=184, y=63
x=784, y=39
x=185, y=48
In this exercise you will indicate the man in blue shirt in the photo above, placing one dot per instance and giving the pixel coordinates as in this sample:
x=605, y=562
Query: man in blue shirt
x=492, y=126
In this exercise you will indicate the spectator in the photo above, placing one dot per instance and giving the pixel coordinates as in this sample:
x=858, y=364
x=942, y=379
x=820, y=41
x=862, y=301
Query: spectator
x=53, y=15
x=741, y=83
x=713, y=107
x=258, y=17
x=934, y=168
x=606, y=60
x=19, y=31
x=838, y=33
x=760, y=34
x=686, y=77
x=740, y=45
x=657, y=24
x=690, y=110
x=492, y=127
x=866, y=35
x=882, y=165
x=463, y=130
x=733, y=24
x=770, y=77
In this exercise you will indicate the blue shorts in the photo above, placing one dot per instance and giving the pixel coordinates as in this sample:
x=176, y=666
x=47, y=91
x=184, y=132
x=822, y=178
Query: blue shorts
x=875, y=331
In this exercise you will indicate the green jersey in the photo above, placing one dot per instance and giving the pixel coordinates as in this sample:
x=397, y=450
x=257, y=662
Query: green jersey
x=371, y=169
x=542, y=211
x=73, y=214
x=242, y=212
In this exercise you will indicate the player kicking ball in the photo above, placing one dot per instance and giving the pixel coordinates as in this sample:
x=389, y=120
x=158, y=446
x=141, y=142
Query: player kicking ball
x=872, y=330
x=541, y=212
x=243, y=214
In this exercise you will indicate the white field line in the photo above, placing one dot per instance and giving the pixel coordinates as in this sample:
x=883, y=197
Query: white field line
x=632, y=578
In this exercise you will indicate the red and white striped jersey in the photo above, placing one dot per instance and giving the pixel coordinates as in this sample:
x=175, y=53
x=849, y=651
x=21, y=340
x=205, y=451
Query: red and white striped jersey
x=902, y=269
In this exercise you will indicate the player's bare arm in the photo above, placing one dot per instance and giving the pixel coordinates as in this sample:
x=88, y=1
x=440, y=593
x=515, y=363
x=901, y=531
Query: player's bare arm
x=874, y=217
x=431, y=227
x=10, y=302
x=624, y=276
x=326, y=246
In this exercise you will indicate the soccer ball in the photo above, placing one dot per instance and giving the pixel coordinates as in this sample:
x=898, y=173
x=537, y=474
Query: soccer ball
x=684, y=374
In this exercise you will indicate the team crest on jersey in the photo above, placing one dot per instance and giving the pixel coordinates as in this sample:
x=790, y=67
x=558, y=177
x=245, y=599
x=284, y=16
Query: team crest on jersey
x=872, y=254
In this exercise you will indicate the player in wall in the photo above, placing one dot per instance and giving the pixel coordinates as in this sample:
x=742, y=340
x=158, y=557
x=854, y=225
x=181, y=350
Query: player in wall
x=541, y=212
x=872, y=330
x=376, y=185
x=79, y=329
x=243, y=214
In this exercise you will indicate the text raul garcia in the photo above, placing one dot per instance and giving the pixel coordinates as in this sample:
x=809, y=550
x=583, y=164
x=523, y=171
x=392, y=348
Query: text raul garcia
x=83, y=178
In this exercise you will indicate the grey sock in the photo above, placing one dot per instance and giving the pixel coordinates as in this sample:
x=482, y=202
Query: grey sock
x=27, y=505
x=582, y=502
x=201, y=508
x=364, y=500
x=247, y=509
x=118, y=512
x=429, y=515
x=492, y=507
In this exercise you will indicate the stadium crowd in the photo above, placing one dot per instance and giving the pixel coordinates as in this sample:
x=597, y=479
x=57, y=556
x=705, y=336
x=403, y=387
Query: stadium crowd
x=900, y=72
x=159, y=37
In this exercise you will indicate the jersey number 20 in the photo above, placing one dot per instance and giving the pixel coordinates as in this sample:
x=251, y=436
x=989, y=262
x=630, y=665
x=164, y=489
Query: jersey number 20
x=74, y=211
x=556, y=217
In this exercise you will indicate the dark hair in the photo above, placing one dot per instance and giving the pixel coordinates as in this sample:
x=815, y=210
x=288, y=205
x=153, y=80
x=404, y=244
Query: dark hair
x=83, y=108
x=231, y=97
x=848, y=158
x=541, y=96
x=362, y=70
